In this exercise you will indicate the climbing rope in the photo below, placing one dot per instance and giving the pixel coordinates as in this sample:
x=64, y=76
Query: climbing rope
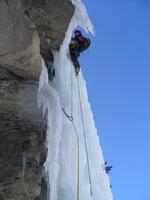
x=85, y=140
x=70, y=116
x=78, y=152
x=78, y=162
x=71, y=119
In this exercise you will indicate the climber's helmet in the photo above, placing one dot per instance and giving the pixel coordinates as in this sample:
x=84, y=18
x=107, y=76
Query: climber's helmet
x=77, y=33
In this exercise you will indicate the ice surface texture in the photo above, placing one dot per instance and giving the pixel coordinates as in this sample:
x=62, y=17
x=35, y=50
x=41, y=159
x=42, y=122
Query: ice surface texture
x=62, y=159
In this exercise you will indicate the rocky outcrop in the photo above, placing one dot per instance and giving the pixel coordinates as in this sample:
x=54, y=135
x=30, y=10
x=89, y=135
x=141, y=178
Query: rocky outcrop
x=29, y=29
x=21, y=139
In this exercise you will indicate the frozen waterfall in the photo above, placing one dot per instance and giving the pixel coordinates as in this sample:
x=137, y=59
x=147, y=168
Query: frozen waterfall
x=71, y=176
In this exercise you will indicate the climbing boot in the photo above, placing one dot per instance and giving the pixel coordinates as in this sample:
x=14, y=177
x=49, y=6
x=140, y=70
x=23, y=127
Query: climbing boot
x=77, y=71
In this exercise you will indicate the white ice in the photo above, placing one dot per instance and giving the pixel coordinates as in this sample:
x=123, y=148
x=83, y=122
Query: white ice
x=62, y=159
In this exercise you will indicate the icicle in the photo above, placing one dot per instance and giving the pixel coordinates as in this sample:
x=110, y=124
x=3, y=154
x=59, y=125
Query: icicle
x=49, y=100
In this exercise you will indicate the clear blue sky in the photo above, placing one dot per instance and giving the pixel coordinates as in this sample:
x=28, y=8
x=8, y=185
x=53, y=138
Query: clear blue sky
x=117, y=70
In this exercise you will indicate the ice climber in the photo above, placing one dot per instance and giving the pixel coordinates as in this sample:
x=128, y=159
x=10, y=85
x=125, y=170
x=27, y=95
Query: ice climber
x=77, y=45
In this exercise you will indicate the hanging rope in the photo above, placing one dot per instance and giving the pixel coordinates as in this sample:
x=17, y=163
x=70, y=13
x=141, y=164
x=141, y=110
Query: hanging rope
x=70, y=118
x=78, y=162
x=88, y=164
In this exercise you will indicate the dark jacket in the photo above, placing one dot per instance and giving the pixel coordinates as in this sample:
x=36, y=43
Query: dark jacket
x=83, y=43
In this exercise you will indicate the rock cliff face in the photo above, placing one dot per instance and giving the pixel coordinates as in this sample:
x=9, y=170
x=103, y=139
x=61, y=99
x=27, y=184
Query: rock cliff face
x=29, y=29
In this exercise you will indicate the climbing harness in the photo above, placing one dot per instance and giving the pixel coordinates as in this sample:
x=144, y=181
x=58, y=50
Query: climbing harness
x=70, y=118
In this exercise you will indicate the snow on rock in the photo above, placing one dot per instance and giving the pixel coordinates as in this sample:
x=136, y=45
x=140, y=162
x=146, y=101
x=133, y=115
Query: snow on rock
x=62, y=161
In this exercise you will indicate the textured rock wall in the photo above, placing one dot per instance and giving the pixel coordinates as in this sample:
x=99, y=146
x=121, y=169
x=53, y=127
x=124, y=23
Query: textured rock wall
x=28, y=29
x=21, y=139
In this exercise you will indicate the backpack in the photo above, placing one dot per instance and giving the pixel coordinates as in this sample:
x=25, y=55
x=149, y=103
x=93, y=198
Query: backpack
x=87, y=42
